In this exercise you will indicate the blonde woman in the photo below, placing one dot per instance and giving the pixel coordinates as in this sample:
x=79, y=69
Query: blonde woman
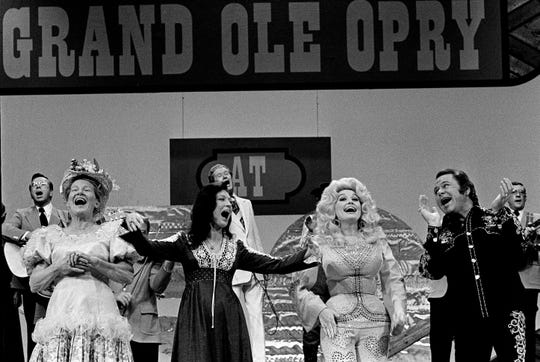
x=355, y=324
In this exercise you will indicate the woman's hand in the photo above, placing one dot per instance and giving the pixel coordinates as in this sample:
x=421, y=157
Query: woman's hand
x=430, y=214
x=87, y=262
x=123, y=298
x=93, y=265
x=313, y=252
x=327, y=318
x=66, y=266
x=399, y=323
x=134, y=221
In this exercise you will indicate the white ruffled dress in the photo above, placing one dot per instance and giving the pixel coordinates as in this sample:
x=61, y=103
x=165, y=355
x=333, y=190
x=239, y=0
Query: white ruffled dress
x=82, y=321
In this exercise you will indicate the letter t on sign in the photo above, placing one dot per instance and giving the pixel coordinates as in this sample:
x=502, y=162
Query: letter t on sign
x=256, y=165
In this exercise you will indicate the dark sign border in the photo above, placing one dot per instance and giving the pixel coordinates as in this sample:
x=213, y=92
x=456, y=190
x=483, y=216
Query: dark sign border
x=312, y=156
x=506, y=80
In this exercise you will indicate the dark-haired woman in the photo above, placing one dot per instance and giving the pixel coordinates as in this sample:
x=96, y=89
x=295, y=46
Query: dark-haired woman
x=211, y=324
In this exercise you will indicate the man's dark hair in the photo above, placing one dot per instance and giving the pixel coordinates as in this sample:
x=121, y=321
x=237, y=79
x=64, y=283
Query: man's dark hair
x=517, y=183
x=202, y=214
x=463, y=181
x=35, y=176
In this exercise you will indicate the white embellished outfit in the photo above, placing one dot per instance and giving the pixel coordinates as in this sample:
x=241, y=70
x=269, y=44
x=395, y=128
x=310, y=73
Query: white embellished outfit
x=82, y=321
x=363, y=320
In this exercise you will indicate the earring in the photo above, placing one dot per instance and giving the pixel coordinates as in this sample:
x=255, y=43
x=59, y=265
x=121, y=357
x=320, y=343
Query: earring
x=335, y=221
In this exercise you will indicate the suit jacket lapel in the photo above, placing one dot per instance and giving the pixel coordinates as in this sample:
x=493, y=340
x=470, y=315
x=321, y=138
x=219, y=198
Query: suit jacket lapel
x=57, y=218
x=236, y=221
x=242, y=206
x=33, y=219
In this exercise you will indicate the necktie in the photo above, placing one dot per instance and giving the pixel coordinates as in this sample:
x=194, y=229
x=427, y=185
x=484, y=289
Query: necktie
x=236, y=210
x=42, y=217
x=234, y=204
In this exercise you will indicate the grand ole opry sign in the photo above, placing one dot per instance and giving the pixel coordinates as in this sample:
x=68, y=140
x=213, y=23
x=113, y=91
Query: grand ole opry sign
x=55, y=46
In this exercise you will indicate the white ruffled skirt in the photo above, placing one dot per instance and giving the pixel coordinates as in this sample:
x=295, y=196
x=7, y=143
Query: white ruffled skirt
x=82, y=324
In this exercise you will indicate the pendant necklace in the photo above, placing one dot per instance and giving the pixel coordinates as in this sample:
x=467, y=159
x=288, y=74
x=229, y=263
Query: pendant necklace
x=213, y=248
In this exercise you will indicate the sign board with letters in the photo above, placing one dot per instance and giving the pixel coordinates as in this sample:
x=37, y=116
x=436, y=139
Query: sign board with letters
x=104, y=46
x=278, y=175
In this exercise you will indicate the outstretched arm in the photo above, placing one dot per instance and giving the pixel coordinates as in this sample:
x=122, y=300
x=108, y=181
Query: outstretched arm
x=254, y=261
x=166, y=250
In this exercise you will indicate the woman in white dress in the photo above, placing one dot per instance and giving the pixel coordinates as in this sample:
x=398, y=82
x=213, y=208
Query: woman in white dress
x=82, y=321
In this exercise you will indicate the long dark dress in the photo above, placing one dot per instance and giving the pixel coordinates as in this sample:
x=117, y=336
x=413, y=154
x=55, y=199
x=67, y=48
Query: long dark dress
x=211, y=324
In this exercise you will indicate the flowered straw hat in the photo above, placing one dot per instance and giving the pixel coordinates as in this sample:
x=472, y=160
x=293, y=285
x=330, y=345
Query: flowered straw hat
x=91, y=170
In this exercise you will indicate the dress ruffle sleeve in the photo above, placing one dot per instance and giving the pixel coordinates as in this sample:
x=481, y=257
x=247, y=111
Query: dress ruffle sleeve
x=119, y=250
x=39, y=248
x=393, y=286
x=308, y=304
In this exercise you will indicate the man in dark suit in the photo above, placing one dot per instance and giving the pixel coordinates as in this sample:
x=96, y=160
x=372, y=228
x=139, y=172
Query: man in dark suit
x=530, y=275
x=11, y=348
x=17, y=230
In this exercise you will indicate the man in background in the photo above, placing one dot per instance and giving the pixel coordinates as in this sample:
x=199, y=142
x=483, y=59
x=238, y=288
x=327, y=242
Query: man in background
x=17, y=230
x=11, y=348
x=246, y=284
x=529, y=224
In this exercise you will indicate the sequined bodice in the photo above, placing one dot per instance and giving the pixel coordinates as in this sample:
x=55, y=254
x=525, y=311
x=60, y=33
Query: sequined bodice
x=352, y=269
x=351, y=273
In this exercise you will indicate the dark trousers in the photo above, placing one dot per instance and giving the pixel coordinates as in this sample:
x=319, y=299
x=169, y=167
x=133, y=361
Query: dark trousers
x=441, y=334
x=145, y=352
x=11, y=347
x=506, y=333
x=310, y=344
x=530, y=309
x=29, y=308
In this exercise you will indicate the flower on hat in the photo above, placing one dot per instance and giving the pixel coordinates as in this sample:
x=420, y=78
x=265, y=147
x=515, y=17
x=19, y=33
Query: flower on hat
x=91, y=170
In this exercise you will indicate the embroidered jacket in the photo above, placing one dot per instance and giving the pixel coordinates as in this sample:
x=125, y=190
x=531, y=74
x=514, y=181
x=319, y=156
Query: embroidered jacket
x=480, y=255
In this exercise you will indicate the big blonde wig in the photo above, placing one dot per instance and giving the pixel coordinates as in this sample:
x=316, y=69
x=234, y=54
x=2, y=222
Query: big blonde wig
x=327, y=224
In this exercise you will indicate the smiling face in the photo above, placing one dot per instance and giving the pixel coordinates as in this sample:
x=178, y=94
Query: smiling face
x=82, y=200
x=348, y=206
x=40, y=191
x=518, y=197
x=222, y=174
x=222, y=212
x=448, y=197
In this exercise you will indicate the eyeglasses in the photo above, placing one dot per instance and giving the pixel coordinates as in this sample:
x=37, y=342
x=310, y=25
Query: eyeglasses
x=36, y=184
x=222, y=174
x=521, y=192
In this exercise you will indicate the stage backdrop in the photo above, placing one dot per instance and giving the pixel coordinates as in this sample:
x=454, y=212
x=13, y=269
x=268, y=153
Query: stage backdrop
x=278, y=175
